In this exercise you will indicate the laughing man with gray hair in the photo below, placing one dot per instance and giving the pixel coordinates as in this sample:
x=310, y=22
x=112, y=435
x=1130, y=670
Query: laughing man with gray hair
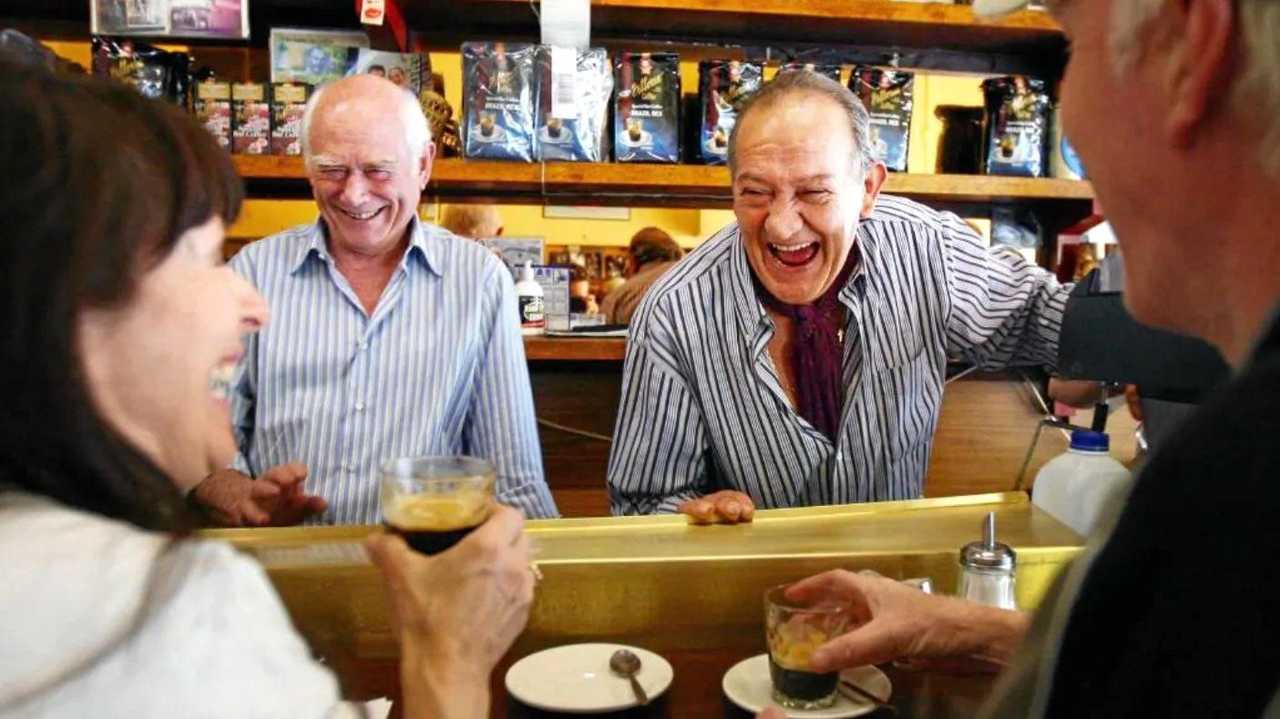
x=389, y=337
x=797, y=357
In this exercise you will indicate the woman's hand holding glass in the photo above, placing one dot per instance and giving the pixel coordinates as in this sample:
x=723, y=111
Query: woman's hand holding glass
x=456, y=613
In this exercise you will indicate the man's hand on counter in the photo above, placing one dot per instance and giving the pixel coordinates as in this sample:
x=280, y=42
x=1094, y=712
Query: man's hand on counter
x=723, y=507
x=897, y=621
x=277, y=498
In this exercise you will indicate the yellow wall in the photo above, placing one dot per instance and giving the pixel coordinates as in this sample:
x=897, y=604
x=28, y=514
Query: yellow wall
x=688, y=227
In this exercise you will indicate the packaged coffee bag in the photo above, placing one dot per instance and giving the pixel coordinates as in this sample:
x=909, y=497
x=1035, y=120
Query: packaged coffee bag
x=1017, y=126
x=573, y=90
x=154, y=72
x=251, y=113
x=498, y=95
x=288, y=102
x=646, y=116
x=829, y=71
x=213, y=110
x=887, y=96
x=723, y=87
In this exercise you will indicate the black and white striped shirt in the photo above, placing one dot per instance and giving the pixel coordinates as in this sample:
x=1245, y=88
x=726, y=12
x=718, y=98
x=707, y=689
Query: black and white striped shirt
x=702, y=407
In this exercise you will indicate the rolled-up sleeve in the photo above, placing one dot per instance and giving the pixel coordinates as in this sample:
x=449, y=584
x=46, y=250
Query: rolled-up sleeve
x=1004, y=311
x=502, y=425
x=659, y=456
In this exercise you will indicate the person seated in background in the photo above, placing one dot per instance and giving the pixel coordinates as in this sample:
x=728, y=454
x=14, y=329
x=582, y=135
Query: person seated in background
x=797, y=357
x=392, y=337
x=474, y=221
x=123, y=326
x=581, y=300
x=651, y=253
x=1169, y=610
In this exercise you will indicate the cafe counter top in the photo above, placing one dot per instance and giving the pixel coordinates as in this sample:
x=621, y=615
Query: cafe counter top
x=658, y=582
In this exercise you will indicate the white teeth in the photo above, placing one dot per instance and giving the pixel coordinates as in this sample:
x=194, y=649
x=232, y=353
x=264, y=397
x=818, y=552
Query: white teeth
x=791, y=248
x=363, y=215
x=220, y=380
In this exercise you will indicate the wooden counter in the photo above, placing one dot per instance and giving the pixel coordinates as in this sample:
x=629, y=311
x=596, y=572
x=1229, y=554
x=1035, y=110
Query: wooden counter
x=658, y=582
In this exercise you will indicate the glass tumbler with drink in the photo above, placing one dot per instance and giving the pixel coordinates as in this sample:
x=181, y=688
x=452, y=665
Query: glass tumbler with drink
x=793, y=630
x=435, y=502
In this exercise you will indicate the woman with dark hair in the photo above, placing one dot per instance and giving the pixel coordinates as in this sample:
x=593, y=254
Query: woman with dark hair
x=122, y=331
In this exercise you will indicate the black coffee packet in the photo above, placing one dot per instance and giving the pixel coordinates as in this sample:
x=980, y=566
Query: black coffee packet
x=498, y=92
x=213, y=110
x=251, y=119
x=723, y=88
x=829, y=71
x=646, y=116
x=887, y=95
x=288, y=103
x=573, y=90
x=154, y=72
x=1018, y=126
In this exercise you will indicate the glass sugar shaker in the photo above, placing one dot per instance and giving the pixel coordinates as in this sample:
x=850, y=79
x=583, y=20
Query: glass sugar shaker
x=987, y=569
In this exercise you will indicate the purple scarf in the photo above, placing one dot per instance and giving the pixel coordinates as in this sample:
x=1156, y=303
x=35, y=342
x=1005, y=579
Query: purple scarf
x=817, y=356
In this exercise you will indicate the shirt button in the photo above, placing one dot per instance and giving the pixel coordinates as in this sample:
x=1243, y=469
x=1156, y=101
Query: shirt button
x=839, y=457
x=359, y=406
x=364, y=345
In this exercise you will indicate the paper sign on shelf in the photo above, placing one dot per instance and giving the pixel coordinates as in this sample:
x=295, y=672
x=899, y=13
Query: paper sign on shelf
x=564, y=70
x=566, y=23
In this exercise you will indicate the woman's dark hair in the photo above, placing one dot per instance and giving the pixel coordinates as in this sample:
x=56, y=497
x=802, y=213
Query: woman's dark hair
x=652, y=244
x=99, y=183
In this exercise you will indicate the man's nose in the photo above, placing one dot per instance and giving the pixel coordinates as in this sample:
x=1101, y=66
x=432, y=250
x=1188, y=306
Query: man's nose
x=783, y=220
x=354, y=190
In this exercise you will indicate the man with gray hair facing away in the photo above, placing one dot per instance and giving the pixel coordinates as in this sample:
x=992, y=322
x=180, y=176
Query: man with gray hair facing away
x=1170, y=611
x=797, y=357
x=390, y=337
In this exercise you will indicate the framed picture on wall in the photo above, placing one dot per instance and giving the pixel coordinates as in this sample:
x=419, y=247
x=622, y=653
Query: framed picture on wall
x=223, y=19
x=584, y=212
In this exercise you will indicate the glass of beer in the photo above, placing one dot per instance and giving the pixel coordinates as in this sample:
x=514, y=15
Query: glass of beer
x=434, y=502
x=793, y=631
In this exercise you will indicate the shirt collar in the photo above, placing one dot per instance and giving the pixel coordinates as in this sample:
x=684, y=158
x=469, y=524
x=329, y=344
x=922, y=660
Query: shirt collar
x=751, y=314
x=424, y=244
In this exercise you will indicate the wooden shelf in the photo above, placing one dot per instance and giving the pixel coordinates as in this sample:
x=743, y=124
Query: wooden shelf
x=654, y=185
x=575, y=349
x=847, y=22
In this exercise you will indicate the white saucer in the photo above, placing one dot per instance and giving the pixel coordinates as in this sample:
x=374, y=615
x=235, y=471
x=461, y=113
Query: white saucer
x=576, y=679
x=748, y=685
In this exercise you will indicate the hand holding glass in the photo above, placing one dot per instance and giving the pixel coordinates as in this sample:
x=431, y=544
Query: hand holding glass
x=435, y=502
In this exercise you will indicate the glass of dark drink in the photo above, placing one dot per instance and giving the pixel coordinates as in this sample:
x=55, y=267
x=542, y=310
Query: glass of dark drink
x=434, y=502
x=793, y=630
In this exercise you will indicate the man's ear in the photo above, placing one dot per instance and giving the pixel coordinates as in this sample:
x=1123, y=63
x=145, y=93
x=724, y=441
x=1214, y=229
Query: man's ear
x=872, y=181
x=1198, y=36
x=424, y=165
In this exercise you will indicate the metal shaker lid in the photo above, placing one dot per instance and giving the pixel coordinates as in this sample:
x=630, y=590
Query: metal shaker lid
x=988, y=554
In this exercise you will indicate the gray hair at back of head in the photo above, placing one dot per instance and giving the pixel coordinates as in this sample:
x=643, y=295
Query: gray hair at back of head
x=1257, y=90
x=417, y=133
x=789, y=83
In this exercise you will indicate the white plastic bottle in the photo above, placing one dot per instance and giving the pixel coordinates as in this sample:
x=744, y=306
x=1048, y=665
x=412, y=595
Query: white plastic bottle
x=533, y=320
x=1075, y=487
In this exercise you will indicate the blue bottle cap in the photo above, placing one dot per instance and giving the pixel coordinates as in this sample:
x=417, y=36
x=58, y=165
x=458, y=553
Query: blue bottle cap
x=1090, y=441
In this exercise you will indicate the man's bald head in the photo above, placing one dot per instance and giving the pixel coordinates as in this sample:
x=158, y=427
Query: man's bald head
x=371, y=96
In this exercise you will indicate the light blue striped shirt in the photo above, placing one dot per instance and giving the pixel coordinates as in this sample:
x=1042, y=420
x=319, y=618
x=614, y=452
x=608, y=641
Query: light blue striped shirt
x=439, y=368
x=702, y=406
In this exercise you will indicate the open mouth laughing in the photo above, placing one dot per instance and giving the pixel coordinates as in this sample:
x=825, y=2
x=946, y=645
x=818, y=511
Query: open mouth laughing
x=794, y=255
